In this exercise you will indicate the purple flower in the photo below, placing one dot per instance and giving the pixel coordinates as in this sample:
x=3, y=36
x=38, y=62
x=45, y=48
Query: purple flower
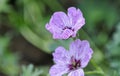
x=73, y=61
x=63, y=26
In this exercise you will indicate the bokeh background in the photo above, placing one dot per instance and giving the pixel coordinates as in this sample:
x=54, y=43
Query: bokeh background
x=26, y=46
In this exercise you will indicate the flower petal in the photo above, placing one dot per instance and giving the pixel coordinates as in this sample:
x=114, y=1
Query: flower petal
x=48, y=27
x=76, y=18
x=58, y=70
x=53, y=28
x=86, y=58
x=75, y=47
x=78, y=72
x=72, y=14
x=85, y=53
x=60, y=19
x=66, y=34
x=81, y=51
x=79, y=24
x=60, y=56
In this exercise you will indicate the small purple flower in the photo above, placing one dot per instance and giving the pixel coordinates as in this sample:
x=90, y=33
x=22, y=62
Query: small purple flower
x=63, y=26
x=73, y=61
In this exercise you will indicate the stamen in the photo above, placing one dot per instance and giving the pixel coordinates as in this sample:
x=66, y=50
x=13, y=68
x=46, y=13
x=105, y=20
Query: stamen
x=66, y=27
x=75, y=64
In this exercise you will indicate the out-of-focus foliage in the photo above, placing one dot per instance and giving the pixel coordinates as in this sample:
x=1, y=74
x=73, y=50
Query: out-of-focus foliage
x=114, y=44
x=8, y=61
x=4, y=7
x=113, y=50
x=101, y=17
x=30, y=70
x=31, y=23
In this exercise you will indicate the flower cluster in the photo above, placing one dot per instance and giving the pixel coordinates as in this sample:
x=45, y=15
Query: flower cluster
x=70, y=61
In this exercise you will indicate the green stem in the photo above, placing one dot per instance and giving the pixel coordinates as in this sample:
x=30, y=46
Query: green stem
x=93, y=72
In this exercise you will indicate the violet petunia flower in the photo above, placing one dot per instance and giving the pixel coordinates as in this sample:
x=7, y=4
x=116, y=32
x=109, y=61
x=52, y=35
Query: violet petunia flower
x=64, y=26
x=73, y=61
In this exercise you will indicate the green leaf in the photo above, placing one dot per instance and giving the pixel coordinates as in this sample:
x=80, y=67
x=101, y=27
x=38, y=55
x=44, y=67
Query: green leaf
x=30, y=71
x=4, y=41
x=32, y=26
x=113, y=48
x=8, y=61
x=54, y=6
x=4, y=7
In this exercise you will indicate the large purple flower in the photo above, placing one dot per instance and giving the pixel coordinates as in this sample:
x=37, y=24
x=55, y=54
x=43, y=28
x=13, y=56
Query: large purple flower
x=73, y=61
x=63, y=26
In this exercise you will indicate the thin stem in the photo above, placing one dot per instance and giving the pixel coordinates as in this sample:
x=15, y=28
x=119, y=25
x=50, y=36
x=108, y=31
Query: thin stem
x=93, y=72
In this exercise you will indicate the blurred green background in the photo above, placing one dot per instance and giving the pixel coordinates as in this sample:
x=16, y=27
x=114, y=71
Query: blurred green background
x=26, y=46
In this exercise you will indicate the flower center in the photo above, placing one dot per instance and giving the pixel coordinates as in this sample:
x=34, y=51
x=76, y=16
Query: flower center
x=66, y=27
x=75, y=64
